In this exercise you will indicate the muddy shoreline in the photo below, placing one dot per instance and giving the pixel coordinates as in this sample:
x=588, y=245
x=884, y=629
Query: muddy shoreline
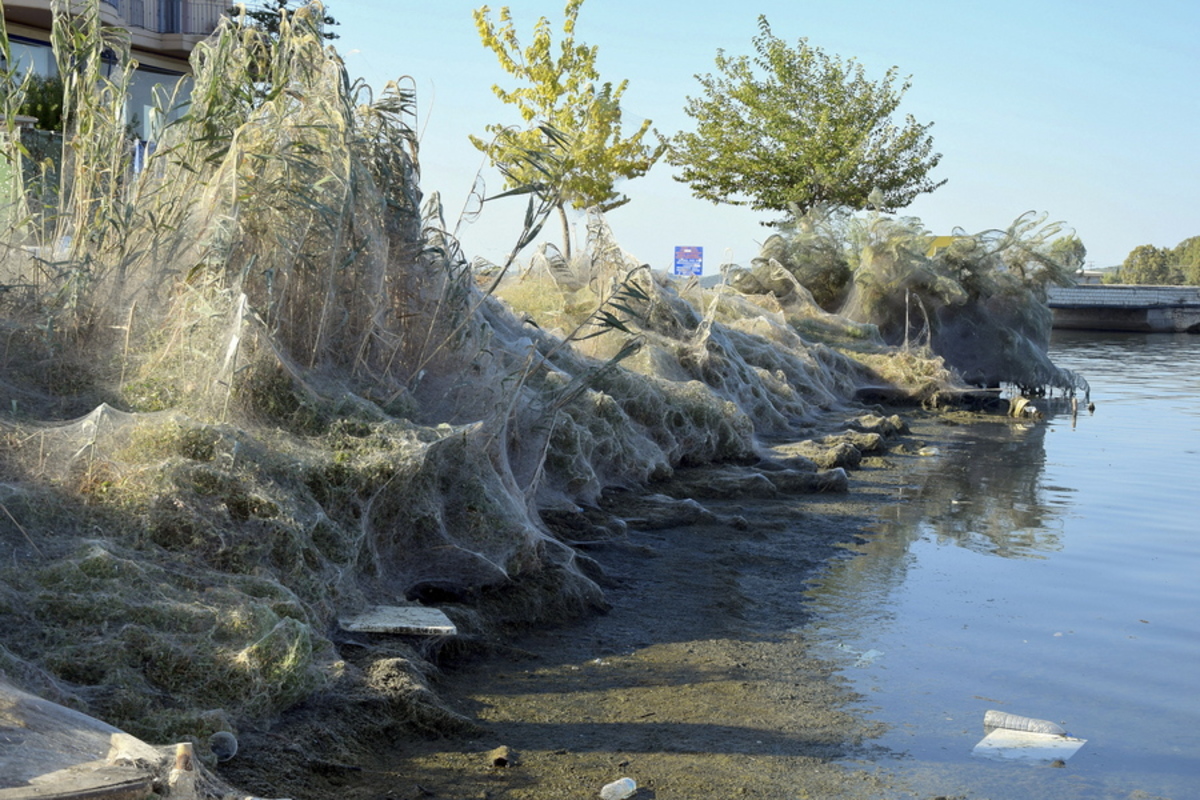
x=698, y=680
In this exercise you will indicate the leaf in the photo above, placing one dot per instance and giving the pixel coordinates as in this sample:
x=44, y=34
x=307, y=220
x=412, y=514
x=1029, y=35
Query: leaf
x=529, y=188
x=612, y=321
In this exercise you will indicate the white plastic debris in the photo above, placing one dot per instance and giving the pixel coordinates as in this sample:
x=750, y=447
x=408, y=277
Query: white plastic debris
x=863, y=658
x=1012, y=722
x=618, y=789
x=1012, y=737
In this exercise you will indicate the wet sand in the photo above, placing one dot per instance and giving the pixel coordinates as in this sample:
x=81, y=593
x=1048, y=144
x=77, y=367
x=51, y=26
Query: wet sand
x=698, y=682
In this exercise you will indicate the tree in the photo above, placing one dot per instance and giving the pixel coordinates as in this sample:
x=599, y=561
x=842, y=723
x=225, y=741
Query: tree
x=44, y=101
x=1147, y=264
x=1069, y=252
x=1186, y=258
x=572, y=149
x=266, y=16
x=811, y=130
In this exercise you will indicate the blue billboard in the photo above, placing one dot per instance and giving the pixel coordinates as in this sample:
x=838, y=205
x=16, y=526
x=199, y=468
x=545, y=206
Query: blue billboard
x=689, y=261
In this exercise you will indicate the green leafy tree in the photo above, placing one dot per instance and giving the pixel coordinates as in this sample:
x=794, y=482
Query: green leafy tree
x=1069, y=252
x=1186, y=258
x=573, y=121
x=795, y=128
x=1147, y=264
x=44, y=101
x=265, y=15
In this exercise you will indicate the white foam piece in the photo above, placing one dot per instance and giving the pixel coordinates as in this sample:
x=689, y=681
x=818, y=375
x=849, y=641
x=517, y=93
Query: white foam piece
x=411, y=620
x=1025, y=746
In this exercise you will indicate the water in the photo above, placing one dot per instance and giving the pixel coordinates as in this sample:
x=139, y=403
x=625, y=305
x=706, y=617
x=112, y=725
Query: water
x=1048, y=570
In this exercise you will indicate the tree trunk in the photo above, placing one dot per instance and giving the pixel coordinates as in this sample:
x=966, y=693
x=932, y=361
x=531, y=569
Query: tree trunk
x=566, y=228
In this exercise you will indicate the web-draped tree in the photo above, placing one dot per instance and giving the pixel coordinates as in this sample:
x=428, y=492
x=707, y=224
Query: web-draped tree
x=572, y=149
x=795, y=128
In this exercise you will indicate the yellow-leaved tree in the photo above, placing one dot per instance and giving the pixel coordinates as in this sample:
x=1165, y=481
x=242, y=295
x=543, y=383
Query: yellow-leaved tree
x=572, y=151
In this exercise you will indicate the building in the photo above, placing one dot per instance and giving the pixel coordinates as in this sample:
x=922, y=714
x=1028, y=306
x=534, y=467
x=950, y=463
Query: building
x=163, y=34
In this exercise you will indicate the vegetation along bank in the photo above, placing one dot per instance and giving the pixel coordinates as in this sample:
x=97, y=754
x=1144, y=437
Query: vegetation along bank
x=256, y=387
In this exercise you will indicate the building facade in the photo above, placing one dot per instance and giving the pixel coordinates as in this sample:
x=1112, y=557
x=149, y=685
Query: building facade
x=163, y=34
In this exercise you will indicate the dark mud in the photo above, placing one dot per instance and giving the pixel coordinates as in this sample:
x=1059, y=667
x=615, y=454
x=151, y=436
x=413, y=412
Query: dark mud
x=698, y=682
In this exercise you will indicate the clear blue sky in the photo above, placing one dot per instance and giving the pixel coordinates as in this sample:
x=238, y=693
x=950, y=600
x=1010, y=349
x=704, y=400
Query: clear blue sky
x=1087, y=110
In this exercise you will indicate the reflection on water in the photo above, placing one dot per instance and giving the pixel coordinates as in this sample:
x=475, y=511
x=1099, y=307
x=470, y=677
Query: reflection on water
x=984, y=494
x=1047, y=570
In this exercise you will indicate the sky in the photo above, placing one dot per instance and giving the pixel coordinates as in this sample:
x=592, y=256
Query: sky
x=1087, y=111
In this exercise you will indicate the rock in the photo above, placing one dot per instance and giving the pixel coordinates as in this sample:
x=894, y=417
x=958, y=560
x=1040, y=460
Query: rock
x=721, y=483
x=829, y=453
x=800, y=463
x=739, y=523
x=792, y=482
x=502, y=756
x=400, y=620
x=583, y=525
x=869, y=443
x=874, y=423
x=793, y=461
x=658, y=511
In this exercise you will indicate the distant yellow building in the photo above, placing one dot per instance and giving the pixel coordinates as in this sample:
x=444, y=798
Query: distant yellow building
x=163, y=33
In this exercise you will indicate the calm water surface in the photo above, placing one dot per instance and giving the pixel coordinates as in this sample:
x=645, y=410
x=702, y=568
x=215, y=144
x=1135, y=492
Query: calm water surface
x=1050, y=570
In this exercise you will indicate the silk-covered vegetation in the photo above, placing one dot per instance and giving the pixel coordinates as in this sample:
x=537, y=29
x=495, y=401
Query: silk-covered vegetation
x=255, y=385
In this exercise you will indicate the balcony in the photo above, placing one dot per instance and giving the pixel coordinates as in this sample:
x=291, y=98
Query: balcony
x=187, y=17
x=170, y=28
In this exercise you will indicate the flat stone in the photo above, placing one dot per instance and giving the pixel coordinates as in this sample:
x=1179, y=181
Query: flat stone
x=410, y=620
x=86, y=782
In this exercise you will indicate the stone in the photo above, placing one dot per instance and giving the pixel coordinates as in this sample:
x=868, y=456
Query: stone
x=408, y=620
x=792, y=482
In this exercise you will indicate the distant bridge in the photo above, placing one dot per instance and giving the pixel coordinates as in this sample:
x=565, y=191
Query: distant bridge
x=1117, y=307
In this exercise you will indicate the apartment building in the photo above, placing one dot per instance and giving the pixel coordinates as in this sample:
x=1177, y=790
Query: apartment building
x=163, y=34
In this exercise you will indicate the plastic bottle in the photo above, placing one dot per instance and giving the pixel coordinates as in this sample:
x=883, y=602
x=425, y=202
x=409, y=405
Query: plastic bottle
x=619, y=789
x=1001, y=719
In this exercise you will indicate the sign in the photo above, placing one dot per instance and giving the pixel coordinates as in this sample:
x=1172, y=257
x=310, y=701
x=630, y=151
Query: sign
x=689, y=261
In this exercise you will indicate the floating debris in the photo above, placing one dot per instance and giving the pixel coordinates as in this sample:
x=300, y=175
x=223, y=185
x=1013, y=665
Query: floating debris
x=1016, y=738
x=1012, y=722
x=863, y=658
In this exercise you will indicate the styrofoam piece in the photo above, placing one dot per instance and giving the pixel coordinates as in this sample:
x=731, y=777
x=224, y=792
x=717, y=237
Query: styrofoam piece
x=1003, y=743
x=410, y=620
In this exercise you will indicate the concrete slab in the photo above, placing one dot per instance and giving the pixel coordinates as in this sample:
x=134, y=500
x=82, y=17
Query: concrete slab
x=406, y=620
